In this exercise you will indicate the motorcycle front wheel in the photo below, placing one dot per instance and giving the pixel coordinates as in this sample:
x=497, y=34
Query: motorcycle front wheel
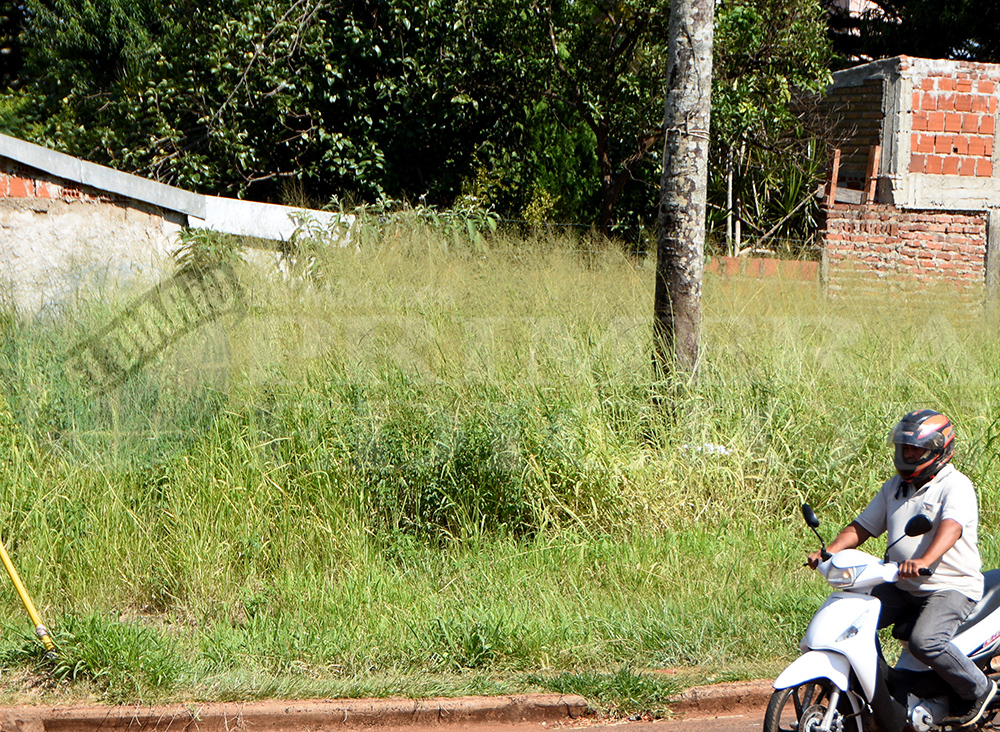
x=802, y=708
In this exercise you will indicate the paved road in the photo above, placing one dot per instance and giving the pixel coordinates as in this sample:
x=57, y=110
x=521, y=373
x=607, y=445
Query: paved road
x=747, y=721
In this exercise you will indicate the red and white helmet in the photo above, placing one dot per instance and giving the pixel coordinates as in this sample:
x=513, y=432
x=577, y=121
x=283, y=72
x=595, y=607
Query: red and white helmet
x=925, y=429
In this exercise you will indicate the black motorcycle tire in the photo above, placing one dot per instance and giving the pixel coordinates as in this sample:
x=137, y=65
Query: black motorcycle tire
x=798, y=708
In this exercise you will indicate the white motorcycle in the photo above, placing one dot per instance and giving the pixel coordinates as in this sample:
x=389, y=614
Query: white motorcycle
x=842, y=683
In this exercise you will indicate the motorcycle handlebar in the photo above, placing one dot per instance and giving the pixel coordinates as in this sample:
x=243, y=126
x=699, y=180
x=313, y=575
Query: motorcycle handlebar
x=824, y=556
x=923, y=571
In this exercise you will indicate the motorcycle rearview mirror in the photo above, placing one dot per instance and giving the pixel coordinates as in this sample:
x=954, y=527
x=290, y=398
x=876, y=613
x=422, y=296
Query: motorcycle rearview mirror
x=813, y=523
x=916, y=526
x=810, y=516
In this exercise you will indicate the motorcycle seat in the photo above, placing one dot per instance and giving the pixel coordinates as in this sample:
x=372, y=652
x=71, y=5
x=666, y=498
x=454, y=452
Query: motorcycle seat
x=989, y=603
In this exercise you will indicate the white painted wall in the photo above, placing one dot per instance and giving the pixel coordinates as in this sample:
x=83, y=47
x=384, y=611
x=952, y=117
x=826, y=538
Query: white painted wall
x=51, y=249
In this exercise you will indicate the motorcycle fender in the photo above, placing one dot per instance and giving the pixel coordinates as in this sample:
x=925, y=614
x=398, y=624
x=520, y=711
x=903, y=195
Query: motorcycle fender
x=816, y=665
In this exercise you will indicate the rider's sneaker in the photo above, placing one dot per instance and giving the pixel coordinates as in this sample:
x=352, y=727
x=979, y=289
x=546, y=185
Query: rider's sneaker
x=977, y=707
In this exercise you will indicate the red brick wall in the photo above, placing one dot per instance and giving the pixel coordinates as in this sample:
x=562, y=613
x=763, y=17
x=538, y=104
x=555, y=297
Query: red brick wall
x=954, y=115
x=19, y=182
x=885, y=243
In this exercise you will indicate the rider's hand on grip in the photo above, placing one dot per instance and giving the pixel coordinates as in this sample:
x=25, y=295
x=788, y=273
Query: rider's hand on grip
x=813, y=560
x=914, y=568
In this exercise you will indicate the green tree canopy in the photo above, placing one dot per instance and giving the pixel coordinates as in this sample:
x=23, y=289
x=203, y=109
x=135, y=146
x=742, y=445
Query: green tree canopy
x=542, y=109
x=359, y=98
x=770, y=55
x=11, y=19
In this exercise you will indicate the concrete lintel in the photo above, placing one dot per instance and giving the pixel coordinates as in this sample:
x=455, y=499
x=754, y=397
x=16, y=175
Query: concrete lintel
x=945, y=67
x=101, y=177
x=953, y=192
x=906, y=66
x=858, y=75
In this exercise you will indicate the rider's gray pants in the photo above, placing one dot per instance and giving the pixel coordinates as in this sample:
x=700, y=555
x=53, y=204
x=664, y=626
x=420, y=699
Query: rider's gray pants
x=938, y=617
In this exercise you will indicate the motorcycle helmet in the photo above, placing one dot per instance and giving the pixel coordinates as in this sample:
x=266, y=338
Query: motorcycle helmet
x=929, y=430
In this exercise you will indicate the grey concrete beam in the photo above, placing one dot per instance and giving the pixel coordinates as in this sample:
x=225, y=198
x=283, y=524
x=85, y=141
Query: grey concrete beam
x=897, y=92
x=858, y=75
x=947, y=192
x=993, y=256
x=943, y=66
x=101, y=177
x=269, y=221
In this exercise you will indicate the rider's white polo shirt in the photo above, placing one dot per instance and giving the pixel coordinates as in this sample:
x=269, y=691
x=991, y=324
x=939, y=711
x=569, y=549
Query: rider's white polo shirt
x=949, y=495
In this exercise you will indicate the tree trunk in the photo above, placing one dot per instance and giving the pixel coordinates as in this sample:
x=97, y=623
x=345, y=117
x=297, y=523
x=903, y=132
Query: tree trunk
x=729, y=201
x=680, y=260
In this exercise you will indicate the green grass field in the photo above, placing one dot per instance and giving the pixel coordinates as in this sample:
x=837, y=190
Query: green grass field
x=427, y=468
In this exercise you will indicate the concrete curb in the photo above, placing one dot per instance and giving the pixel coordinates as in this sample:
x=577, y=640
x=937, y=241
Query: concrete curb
x=718, y=699
x=278, y=716
x=344, y=714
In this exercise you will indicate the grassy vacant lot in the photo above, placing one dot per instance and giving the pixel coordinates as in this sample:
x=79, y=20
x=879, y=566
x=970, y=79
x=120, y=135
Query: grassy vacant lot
x=422, y=468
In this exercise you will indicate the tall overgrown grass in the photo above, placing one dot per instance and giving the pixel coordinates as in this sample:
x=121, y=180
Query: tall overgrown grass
x=425, y=468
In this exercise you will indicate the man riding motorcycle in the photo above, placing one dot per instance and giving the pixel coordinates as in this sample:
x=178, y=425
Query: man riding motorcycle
x=926, y=483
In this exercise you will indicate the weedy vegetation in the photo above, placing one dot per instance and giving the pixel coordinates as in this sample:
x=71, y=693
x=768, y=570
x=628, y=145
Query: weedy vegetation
x=434, y=465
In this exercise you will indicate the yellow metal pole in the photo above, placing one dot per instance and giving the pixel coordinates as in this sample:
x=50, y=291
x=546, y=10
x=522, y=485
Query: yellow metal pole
x=40, y=630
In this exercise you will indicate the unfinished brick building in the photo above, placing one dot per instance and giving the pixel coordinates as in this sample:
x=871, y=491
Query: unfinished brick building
x=914, y=193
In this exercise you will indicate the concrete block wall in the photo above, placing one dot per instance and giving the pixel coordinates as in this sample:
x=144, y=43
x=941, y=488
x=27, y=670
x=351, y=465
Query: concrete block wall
x=855, y=124
x=884, y=245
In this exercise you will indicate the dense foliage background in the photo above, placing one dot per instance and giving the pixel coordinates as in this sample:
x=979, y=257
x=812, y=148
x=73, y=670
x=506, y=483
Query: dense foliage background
x=541, y=110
